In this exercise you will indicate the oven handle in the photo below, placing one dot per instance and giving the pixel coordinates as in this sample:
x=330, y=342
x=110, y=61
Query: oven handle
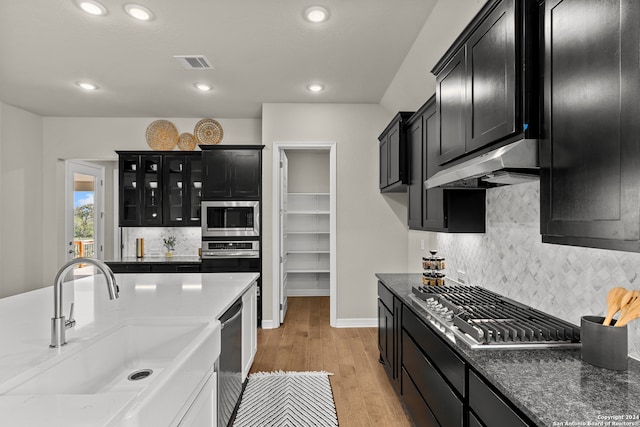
x=230, y=255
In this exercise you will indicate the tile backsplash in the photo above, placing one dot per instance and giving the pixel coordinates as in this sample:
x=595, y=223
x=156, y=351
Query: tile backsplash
x=510, y=259
x=188, y=240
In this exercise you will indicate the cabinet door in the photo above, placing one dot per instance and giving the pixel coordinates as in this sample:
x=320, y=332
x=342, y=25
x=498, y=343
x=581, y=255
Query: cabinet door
x=397, y=156
x=385, y=338
x=590, y=154
x=249, y=330
x=151, y=166
x=129, y=192
x=175, y=187
x=451, y=102
x=434, y=218
x=216, y=174
x=194, y=190
x=245, y=174
x=491, y=78
x=384, y=163
x=416, y=178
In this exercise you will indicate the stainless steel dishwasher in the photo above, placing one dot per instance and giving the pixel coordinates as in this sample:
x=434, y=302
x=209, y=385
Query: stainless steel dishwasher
x=230, y=363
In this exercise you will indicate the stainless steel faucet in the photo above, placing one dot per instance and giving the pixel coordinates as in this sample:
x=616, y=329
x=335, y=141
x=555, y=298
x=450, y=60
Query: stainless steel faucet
x=58, y=323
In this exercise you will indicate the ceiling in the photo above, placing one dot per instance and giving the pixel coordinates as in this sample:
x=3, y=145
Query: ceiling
x=261, y=50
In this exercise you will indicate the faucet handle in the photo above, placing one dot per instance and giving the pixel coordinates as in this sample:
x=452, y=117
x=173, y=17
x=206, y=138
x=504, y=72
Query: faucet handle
x=71, y=322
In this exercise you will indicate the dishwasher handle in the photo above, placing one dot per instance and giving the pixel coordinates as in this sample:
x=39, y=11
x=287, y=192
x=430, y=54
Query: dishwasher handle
x=232, y=313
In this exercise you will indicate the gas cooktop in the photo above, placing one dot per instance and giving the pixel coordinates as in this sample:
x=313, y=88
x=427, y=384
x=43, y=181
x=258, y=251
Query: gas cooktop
x=486, y=320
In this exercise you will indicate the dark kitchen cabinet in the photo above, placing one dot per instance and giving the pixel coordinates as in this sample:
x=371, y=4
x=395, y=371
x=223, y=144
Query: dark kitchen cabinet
x=159, y=189
x=232, y=172
x=182, y=177
x=389, y=329
x=590, y=149
x=489, y=407
x=437, y=209
x=393, y=155
x=153, y=267
x=484, y=80
x=140, y=192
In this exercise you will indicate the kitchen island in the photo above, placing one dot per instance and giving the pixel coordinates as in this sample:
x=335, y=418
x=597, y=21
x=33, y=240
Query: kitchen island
x=545, y=387
x=167, y=301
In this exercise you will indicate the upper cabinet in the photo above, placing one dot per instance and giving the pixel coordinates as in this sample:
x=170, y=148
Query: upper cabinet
x=232, y=172
x=159, y=189
x=590, y=148
x=437, y=209
x=483, y=81
x=393, y=155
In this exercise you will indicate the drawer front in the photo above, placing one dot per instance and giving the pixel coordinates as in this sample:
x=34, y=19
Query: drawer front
x=386, y=296
x=188, y=268
x=442, y=400
x=473, y=421
x=447, y=362
x=491, y=409
x=420, y=412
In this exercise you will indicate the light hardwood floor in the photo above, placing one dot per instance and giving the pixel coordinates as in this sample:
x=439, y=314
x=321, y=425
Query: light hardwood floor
x=363, y=394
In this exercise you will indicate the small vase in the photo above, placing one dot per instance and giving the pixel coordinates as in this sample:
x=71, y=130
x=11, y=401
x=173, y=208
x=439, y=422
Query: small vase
x=169, y=254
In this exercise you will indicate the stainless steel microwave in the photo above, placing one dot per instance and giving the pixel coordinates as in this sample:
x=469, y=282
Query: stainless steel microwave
x=233, y=218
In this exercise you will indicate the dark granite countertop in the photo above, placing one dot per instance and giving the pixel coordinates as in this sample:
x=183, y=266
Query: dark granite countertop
x=553, y=387
x=156, y=260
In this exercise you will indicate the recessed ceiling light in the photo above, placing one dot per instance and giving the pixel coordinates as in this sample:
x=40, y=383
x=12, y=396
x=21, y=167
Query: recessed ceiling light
x=316, y=14
x=315, y=87
x=92, y=7
x=204, y=87
x=138, y=12
x=87, y=85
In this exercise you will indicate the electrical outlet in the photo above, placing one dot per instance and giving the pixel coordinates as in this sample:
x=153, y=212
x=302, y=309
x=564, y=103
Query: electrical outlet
x=462, y=276
x=422, y=244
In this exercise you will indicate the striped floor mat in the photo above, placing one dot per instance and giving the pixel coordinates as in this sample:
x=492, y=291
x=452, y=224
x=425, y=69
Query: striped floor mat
x=287, y=399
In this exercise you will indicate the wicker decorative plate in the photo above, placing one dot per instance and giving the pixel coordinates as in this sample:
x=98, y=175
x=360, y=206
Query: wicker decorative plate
x=208, y=131
x=162, y=135
x=186, y=142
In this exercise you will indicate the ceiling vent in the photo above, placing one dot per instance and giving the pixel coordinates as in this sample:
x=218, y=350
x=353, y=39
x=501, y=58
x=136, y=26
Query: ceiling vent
x=194, y=62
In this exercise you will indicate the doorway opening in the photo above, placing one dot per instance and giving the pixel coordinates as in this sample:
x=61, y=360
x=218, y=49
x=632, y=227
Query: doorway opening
x=84, y=213
x=304, y=226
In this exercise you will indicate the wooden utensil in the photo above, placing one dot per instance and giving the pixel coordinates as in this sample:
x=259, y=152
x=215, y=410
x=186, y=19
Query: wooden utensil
x=613, y=303
x=626, y=301
x=633, y=312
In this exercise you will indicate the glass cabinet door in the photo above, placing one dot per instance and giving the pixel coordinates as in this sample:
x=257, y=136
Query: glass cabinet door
x=129, y=194
x=195, y=189
x=175, y=170
x=152, y=190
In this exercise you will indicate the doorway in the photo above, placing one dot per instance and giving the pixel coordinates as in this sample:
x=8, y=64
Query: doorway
x=84, y=212
x=304, y=224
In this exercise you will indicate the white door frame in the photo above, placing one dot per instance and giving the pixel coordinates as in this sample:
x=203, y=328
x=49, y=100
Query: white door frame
x=71, y=167
x=331, y=146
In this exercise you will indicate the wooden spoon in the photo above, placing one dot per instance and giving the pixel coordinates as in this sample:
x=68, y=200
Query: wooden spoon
x=613, y=303
x=633, y=312
x=626, y=301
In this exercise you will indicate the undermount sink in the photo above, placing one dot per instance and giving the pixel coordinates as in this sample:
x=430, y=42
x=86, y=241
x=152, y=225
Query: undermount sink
x=151, y=366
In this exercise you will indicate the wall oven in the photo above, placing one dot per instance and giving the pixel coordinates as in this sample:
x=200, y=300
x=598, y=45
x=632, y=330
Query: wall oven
x=230, y=218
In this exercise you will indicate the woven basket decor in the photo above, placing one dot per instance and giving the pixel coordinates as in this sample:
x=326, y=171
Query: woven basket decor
x=186, y=142
x=208, y=131
x=162, y=135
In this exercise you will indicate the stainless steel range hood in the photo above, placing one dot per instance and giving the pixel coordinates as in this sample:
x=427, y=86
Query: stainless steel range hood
x=511, y=164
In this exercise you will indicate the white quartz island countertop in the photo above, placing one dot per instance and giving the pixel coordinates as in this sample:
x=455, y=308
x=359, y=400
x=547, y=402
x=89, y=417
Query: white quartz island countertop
x=25, y=326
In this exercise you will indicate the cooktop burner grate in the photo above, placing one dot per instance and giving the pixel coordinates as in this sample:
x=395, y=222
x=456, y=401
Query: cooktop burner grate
x=492, y=319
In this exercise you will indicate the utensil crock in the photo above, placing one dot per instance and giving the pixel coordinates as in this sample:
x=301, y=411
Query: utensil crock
x=604, y=346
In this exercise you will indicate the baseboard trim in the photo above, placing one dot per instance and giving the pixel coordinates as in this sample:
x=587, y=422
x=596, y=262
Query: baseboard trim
x=269, y=324
x=308, y=292
x=357, y=323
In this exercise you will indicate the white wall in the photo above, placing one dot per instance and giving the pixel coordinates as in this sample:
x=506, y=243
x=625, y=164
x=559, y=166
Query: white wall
x=21, y=208
x=371, y=230
x=90, y=138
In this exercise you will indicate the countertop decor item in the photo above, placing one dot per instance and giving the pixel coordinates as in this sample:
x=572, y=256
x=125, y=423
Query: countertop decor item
x=208, y=131
x=604, y=346
x=169, y=242
x=186, y=142
x=162, y=135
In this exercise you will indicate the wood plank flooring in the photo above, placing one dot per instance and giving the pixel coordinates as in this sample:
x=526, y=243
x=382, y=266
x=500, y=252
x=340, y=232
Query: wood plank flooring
x=363, y=394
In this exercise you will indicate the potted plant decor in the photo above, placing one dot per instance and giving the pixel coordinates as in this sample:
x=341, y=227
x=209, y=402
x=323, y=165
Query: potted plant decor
x=169, y=243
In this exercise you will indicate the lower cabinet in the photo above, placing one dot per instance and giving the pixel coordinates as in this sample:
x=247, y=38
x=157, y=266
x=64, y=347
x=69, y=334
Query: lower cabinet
x=139, y=267
x=389, y=321
x=489, y=407
x=249, y=328
x=202, y=411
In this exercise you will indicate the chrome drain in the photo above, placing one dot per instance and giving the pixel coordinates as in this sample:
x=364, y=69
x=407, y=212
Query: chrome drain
x=140, y=375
